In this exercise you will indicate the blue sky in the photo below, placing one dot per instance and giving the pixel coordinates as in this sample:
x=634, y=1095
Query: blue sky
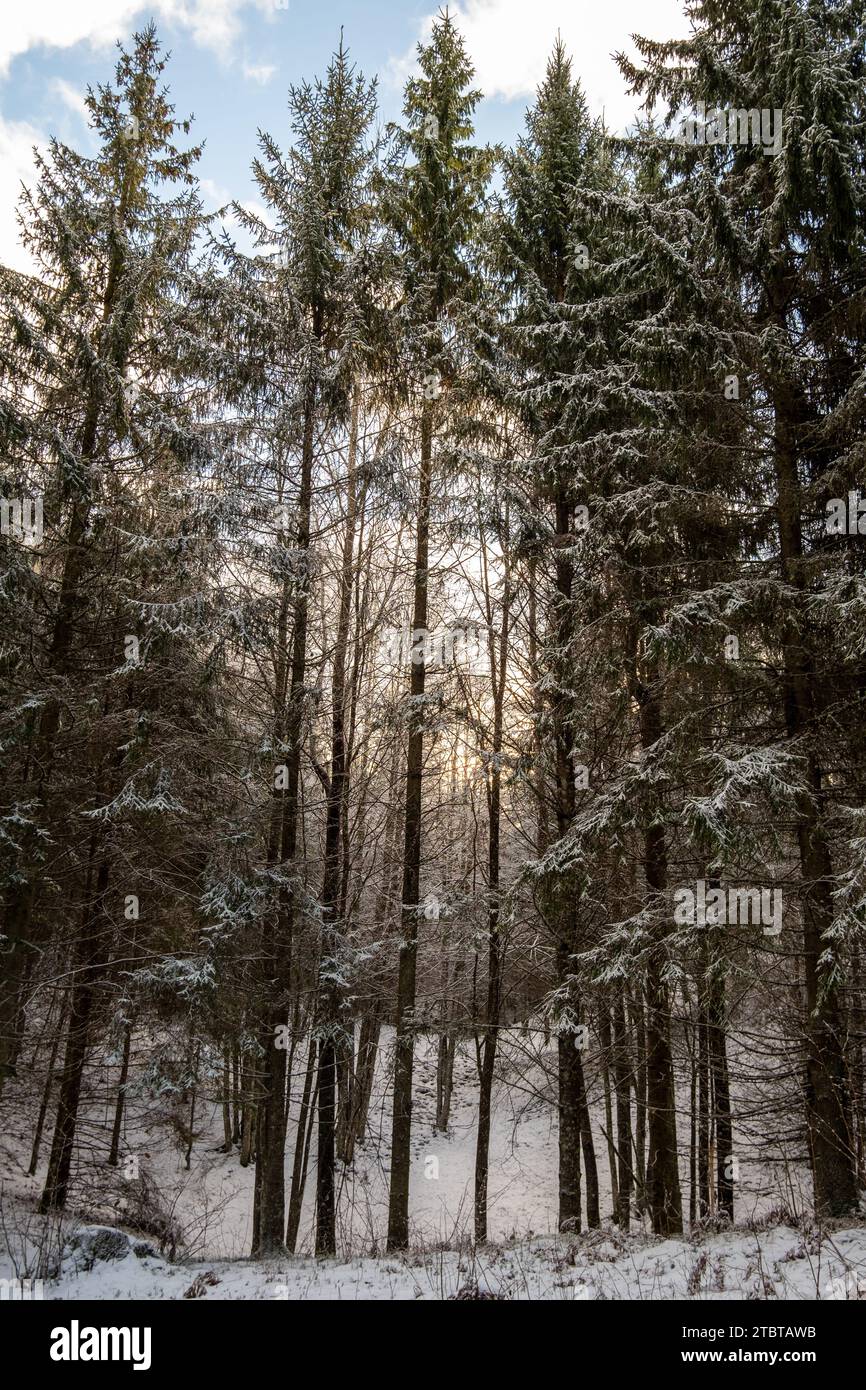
x=232, y=61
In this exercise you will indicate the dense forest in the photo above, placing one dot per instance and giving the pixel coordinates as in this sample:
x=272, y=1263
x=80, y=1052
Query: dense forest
x=434, y=620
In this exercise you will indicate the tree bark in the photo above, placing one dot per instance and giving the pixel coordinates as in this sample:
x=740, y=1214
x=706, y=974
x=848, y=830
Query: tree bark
x=717, y=1023
x=621, y=1080
x=46, y=1091
x=570, y=1090
x=662, y=1176
x=606, y=1054
x=330, y=1024
x=302, y=1148
x=404, y=1048
x=637, y=1010
x=269, y=1220
x=86, y=971
x=114, y=1150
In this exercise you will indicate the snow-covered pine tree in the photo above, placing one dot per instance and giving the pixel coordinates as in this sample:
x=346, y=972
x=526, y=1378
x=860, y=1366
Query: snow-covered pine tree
x=349, y=157
x=111, y=704
x=547, y=275
x=302, y=349
x=634, y=416
x=433, y=206
x=784, y=216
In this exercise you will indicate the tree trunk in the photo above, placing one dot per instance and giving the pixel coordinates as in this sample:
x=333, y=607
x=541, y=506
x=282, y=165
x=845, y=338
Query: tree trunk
x=570, y=1090
x=87, y=967
x=236, y=1099
x=46, y=1091
x=345, y=1092
x=717, y=1022
x=498, y=674
x=640, y=1100
x=227, y=1099
x=662, y=1177
x=368, y=1051
x=248, y=1120
x=703, y=1097
x=269, y=1223
x=492, y=1012
x=828, y=1102
x=606, y=1052
x=121, y=1098
x=404, y=1049
x=302, y=1151
x=330, y=1023
x=593, y=1216
x=621, y=1081
x=191, y=1136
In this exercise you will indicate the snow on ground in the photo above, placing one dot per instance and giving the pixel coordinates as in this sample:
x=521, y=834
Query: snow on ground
x=212, y=1204
x=213, y=1200
x=777, y=1263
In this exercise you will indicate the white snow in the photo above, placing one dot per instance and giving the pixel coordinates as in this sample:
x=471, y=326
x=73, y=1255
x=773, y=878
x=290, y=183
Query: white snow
x=762, y=1258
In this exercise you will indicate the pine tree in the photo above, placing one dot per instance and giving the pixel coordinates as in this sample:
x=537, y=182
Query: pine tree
x=433, y=206
x=543, y=260
x=103, y=356
x=307, y=331
x=785, y=225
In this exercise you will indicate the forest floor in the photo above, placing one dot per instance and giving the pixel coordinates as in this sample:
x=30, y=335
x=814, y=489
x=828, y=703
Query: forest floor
x=773, y=1252
x=778, y=1262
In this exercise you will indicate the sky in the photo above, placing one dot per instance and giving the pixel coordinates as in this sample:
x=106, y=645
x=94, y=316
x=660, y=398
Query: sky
x=233, y=61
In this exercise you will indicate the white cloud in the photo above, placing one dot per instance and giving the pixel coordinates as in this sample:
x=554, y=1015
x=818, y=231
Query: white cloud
x=17, y=139
x=215, y=193
x=261, y=73
x=71, y=96
x=27, y=24
x=510, y=41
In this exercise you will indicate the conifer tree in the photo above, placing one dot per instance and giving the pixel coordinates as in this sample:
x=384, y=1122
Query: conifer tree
x=103, y=358
x=303, y=351
x=547, y=273
x=433, y=206
x=783, y=212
